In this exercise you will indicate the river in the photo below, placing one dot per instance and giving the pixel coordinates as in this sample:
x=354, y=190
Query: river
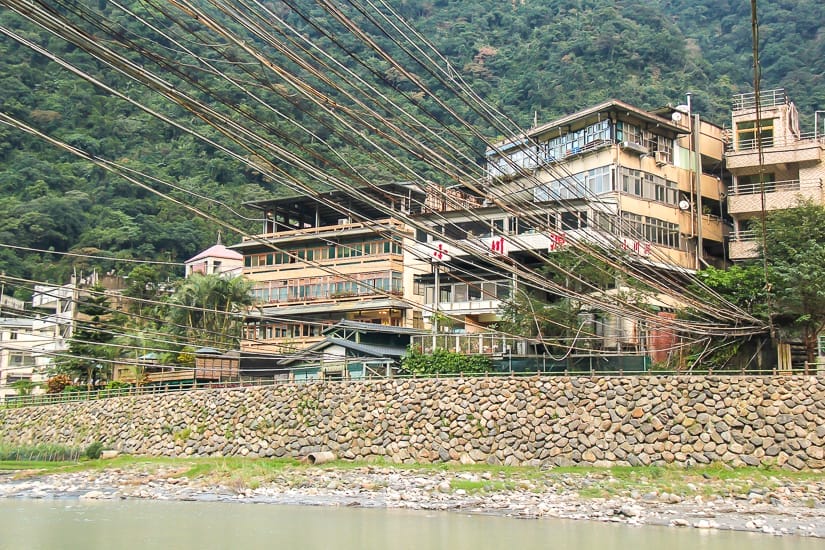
x=125, y=525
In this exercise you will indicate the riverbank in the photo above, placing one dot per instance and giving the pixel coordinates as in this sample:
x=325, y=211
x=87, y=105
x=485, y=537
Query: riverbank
x=770, y=502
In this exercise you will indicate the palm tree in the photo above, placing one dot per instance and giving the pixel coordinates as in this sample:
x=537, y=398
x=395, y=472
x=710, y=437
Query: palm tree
x=210, y=309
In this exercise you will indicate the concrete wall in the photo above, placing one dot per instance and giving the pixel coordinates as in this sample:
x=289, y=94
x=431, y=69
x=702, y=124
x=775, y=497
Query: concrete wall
x=526, y=420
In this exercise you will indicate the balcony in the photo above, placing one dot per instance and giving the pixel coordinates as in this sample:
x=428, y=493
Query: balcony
x=744, y=245
x=306, y=233
x=775, y=150
x=779, y=195
x=467, y=307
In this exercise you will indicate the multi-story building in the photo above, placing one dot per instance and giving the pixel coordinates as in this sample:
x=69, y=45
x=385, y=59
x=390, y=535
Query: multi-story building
x=313, y=265
x=792, y=166
x=612, y=175
x=33, y=340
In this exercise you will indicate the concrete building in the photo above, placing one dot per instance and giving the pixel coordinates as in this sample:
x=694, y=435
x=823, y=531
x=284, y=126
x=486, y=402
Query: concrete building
x=647, y=182
x=313, y=266
x=793, y=165
x=33, y=340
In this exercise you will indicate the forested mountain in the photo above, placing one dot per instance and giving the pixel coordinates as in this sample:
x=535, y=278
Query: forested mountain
x=529, y=58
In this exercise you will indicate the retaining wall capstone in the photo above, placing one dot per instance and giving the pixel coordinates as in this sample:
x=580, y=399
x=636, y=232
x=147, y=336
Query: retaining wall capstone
x=686, y=421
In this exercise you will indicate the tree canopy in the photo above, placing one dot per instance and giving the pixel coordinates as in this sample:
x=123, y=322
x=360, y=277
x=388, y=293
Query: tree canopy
x=529, y=58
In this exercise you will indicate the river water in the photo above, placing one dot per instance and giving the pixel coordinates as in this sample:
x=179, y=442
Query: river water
x=125, y=525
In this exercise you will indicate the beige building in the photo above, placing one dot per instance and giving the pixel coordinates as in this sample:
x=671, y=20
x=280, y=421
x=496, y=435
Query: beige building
x=792, y=165
x=31, y=342
x=313, y=265
x=613, y=175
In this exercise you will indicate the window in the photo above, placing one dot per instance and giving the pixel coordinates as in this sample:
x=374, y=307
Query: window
x=598, y=180
x=649, y=186
x=604, y=222
x=632, y=225
x=573, y=220
x=664, y=146
x=746, y=134
x=662, y=232
x=632, y=181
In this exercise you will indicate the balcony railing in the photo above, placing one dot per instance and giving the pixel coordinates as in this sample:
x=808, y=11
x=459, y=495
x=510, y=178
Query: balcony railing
x=377, y=225
x=474, y=343
x=750, y=145
x=775, y=187
x=747, y=236
x=767, y=98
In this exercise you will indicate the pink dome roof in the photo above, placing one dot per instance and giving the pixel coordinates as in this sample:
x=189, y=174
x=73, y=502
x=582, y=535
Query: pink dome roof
x=217, y=251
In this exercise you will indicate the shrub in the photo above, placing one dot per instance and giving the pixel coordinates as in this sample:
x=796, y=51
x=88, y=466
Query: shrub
x=444, y=362
x=94, y=450
x=57, y=383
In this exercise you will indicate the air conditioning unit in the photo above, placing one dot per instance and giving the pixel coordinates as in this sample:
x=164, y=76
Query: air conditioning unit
x=343, y=221
x=633, y=147
x=661, y=158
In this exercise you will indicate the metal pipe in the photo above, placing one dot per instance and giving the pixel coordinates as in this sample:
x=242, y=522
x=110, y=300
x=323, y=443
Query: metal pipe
x=698, y=166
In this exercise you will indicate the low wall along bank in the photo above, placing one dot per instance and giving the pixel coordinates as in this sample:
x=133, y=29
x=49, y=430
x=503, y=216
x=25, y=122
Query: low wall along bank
x=738, y=420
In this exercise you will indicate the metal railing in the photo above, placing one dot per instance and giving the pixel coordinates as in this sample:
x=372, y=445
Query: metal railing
x=767, y=98
x=746, y=236
x=781, y=141
x=774, y=187
x=74, y=397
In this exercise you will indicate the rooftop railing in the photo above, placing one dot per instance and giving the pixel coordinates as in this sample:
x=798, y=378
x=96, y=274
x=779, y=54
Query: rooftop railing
x=767, y=98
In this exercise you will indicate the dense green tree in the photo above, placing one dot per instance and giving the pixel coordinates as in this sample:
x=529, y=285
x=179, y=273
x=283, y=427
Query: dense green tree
x=90, y=345
x=795, y=250
x=537, y=57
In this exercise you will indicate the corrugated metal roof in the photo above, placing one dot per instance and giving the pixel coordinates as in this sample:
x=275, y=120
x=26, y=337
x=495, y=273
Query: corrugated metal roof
x=368, y=350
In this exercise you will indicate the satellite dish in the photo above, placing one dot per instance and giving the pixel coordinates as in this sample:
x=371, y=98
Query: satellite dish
x=676, y=116
x=683, y=109
x=684, y=205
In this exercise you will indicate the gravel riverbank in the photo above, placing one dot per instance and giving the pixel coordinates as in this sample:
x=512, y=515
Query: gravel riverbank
x=775, y=506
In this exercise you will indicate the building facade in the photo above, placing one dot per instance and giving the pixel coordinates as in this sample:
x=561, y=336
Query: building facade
x=33, y=340
x=647, y=182
x=792, y=165
x=312, y=266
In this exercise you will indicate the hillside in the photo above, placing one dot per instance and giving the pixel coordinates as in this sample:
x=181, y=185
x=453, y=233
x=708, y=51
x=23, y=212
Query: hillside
x=529, y=58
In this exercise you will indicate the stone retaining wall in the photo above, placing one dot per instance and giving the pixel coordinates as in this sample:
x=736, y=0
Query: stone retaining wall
x=525, y=420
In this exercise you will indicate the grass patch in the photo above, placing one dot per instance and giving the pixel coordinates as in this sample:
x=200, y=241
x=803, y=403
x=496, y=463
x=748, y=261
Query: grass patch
x=482, y=486
x=241, y=473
